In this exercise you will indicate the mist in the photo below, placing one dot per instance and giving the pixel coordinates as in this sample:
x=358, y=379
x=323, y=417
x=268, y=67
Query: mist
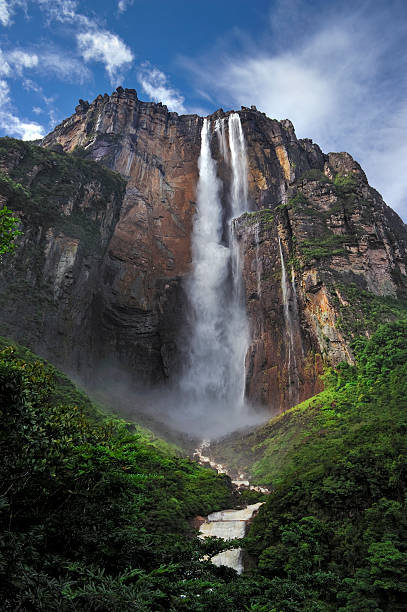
x=207, y=399
x=168, y=411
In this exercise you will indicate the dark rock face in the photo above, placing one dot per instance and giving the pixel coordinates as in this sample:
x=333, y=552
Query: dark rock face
x=49, y=289
x=122, y=296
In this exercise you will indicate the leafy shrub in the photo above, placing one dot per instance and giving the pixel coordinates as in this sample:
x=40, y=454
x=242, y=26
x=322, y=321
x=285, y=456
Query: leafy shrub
x=8, y=230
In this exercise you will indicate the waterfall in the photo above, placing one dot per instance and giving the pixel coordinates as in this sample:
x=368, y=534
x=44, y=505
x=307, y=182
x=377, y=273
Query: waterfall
x=291, y=328
x=221, y=133
x=238, y=161
x=238, y=330
x=207, y=368
x=215, y=372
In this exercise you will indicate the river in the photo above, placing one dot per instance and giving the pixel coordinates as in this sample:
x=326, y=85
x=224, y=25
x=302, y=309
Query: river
x=227, y=524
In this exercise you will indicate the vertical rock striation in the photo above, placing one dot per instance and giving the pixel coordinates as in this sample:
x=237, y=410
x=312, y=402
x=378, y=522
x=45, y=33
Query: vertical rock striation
x=141, y=305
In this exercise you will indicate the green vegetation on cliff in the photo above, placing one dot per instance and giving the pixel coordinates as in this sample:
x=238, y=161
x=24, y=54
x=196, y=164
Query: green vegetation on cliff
x=51, y=188
x=8, y=230
x=362, y=311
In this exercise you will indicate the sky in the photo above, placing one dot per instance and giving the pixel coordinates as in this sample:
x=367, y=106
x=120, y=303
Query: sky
x=336, y=69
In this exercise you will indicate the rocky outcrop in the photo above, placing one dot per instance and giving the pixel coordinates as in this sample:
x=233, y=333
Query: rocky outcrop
x=142, y=303
x=106, y=267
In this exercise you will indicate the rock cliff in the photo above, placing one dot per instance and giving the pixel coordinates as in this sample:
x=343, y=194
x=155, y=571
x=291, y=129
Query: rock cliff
x=49, y=289
x=343, y=250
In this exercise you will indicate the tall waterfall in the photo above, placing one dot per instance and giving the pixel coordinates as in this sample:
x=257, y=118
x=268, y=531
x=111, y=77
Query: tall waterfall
x=291, y=325
x=215, y=373
x=221, y=132
x=238, y=329
x=238, y=160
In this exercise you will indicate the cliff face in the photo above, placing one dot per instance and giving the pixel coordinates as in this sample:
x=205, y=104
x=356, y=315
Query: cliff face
x=156, y=152
x=345, y=253
x=49, y=288
x=344, y=250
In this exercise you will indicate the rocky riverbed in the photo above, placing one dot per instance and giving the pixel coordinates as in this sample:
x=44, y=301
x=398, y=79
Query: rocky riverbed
x=227, y=524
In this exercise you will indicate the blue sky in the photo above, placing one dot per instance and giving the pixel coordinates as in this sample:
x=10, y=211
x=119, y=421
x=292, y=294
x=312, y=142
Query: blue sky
x=336, y=70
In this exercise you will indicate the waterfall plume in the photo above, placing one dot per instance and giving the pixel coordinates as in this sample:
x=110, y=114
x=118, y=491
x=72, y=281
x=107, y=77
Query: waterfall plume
x=214, y=375
x=238, y=160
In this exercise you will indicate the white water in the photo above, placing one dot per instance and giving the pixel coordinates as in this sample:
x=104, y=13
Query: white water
x=238, y=329
x=289, y=325
x=240, y=483
x=228, y=525
x=238, y=160
x=207, y=368
x=221, y=133
x=215, y=374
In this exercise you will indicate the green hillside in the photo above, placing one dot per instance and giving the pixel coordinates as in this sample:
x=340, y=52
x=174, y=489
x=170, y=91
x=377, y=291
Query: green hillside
x=95, y=512
x=333, y=534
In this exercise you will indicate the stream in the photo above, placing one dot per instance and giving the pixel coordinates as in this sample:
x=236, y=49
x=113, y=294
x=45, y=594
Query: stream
x=227, y=524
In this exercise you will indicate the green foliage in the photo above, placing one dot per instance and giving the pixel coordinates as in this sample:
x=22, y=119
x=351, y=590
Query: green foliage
x=9, y=186
x=315, y=175
x=44, y=181
x=324, y=246
x=298, y=201
x=93, y=515
x=345, y=183
x=335, y=526
x=8, y=230
x=264, y=217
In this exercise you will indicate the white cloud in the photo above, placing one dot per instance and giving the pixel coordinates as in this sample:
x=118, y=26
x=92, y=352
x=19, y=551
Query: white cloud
x=21, y=59
x=335, y=75
x=123, y=5
x=7, y=9
x=155, y=85
x=30, y=85
x=63, y=66
x=46, y=61
x=5, y=13
x=94, y=43
x=4, y=93
x=4, y=65
x=13, y=125
x=107, y=48
x=65, y=11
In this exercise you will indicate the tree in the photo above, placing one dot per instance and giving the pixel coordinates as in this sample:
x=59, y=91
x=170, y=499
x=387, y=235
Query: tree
x=8, y=230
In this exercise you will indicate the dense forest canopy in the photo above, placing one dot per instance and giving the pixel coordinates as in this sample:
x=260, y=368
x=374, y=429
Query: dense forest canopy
x=95, y=512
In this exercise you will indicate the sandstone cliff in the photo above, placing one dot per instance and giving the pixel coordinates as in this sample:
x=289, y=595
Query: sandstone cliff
x=344, y=250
